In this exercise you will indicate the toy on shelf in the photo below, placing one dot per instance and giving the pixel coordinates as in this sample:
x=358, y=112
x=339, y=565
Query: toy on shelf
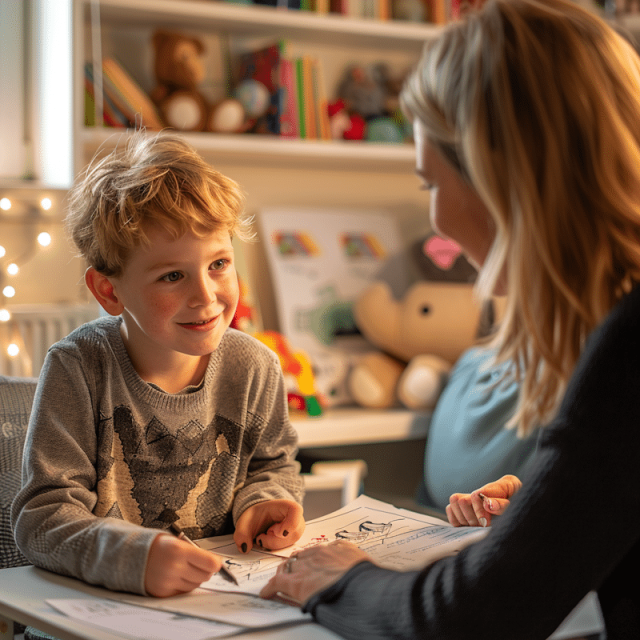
x=367, y=106
x=420, y=336
x=298, y=373
x=179, y=70
x=296, y=365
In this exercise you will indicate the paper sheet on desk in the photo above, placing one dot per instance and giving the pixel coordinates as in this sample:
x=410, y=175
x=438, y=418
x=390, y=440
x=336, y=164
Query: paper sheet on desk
x=248, y=611
x=140, y=623
x=395, y=538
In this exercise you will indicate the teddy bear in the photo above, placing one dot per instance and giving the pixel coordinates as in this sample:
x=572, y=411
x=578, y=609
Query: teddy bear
x=179, y=69
x=419, y=337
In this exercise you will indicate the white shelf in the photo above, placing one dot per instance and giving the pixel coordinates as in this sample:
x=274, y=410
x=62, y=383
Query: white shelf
x=264, y=20
x=249, y=148
x=355, y=425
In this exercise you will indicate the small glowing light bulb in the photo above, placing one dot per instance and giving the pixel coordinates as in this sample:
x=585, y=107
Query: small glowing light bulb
x=3, y=251
x=5, y=316
x=9, y=292
x=46, y=203
x=13, y=349
x=44, y=239
x=5, y=204
x=13, y=269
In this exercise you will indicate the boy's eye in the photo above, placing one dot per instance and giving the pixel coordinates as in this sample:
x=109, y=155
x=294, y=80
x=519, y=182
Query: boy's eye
x=218, y=265
x=174, y=276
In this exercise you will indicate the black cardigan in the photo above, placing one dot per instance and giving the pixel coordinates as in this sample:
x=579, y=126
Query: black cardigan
x=574, y=527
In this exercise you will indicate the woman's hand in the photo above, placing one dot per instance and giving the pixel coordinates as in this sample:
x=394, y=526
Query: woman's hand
x=476, y=508
x=175, y=566
x=313, y=570
x=273, y=524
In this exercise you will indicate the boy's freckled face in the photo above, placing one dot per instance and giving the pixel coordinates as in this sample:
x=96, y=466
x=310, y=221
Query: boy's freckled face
x=178, y=295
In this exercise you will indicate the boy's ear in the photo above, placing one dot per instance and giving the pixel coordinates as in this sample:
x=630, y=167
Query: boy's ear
x=102, y=289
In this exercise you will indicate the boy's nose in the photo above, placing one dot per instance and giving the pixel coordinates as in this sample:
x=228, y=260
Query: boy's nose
x=203, y=293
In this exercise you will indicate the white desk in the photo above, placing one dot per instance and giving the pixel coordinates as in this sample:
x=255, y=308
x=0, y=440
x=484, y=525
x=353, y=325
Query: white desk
x=23, y=591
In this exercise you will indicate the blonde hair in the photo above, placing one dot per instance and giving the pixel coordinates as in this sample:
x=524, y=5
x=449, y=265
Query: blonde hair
x=537, y=103
x=157, y=179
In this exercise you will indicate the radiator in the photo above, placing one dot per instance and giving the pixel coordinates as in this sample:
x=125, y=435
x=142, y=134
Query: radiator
x=34, y=328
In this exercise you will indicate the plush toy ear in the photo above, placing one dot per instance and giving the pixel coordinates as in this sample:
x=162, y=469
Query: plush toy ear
x=103, y=291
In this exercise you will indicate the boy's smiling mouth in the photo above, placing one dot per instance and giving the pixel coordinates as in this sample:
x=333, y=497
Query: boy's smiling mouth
x=201, y=324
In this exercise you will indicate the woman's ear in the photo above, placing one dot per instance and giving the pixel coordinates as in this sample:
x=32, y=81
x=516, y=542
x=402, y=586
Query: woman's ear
x=103, y=291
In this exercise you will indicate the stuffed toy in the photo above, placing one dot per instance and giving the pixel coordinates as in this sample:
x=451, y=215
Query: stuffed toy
x=420, y=336
x=179, y=69
x=368, y=95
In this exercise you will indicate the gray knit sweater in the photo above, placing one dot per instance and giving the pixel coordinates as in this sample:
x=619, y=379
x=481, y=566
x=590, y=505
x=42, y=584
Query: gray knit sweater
x=110, y=459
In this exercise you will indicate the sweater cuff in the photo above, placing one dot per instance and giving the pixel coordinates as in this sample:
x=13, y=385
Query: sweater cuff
x=333, y=593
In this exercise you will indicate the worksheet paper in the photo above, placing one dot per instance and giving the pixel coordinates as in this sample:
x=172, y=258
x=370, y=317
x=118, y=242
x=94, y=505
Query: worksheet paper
x=140, y=622
x=395, y=538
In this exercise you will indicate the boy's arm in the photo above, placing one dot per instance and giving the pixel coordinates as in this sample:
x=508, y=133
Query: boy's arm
x=272, y=472
x=52, y=515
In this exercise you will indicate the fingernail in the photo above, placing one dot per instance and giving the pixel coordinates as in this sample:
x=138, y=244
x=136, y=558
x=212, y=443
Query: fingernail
x=488, y=504
x=483, y=522
x=285, y=533
x=244, y=547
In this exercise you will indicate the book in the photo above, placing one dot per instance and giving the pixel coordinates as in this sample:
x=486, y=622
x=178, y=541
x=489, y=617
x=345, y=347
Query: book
x=302, y=116
x=128, y=96
x=308, y=98
x=320, y=100
x=289, y=117
x=111, y=115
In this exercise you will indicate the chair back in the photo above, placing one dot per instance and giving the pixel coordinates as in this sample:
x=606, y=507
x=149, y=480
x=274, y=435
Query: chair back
x=16, y=400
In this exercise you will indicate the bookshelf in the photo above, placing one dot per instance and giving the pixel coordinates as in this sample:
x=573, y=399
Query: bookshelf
x=334, y=38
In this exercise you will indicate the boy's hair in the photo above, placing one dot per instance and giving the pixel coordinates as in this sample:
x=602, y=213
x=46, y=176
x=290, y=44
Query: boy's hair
x=157, y=179
x=537, y=103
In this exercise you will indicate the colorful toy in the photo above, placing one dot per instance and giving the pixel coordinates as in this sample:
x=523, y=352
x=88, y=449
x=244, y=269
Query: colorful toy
x=419, y=337
x=296, y=367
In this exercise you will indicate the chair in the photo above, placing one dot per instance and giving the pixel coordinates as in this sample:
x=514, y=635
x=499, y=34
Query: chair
x=16, y=399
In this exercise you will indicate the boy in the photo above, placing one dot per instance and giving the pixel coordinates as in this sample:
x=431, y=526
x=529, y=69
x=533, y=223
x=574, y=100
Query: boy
x=159, y=413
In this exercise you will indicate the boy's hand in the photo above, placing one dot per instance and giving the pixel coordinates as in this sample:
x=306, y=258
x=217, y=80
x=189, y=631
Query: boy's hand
x=273, y=524
x=175, y=566
x=476, y=508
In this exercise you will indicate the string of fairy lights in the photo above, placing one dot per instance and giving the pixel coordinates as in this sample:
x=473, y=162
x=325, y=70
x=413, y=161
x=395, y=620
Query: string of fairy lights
x=30, y=211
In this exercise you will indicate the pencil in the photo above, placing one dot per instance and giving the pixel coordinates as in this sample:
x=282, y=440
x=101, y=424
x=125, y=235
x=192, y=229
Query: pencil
x=181, y=535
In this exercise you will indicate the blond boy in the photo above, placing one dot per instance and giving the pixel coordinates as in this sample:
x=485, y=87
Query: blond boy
x=159, y=413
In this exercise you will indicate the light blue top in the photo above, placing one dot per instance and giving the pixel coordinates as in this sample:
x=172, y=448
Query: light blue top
x=468, y=444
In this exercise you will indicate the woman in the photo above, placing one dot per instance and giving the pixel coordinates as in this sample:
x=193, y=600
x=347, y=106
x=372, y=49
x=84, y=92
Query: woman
x=527, y=126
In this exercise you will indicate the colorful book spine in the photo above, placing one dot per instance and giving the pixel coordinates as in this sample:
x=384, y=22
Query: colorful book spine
x=309, y=98
x=289, y=127
x=111, y=115
x=128, y=96
x=321, y=101
x=302, y=115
